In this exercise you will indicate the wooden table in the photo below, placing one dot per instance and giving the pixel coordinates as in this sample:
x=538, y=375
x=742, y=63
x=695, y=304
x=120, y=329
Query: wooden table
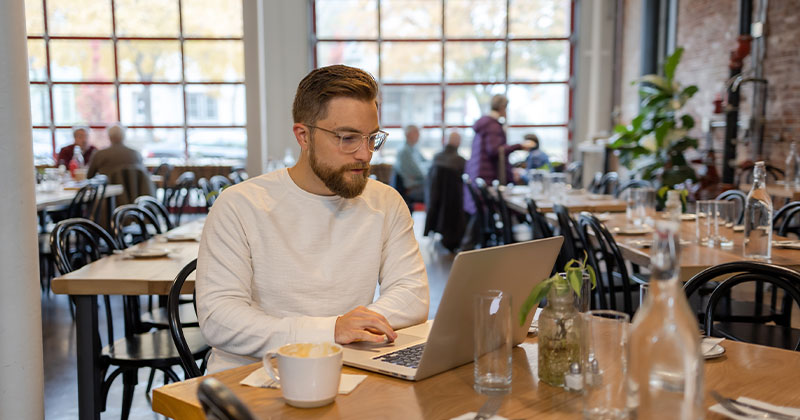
x=695, y=257
x=45, y=199
x=745, y=370
x=574, y=201
x=118, y=275
x=778, y=190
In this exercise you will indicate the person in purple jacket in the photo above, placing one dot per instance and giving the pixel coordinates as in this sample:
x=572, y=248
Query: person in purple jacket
x=490, y=137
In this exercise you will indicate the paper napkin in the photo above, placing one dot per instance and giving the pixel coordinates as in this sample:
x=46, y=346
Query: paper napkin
x=260, y=379
x=719, y=409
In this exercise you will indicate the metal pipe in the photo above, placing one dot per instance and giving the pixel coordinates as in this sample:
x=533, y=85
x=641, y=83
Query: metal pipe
x=732, y=110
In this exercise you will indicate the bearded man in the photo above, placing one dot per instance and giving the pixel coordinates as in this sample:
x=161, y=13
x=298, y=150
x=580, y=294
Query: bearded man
x=295, y=255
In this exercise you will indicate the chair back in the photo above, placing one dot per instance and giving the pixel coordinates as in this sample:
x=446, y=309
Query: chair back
x=572, y=248
x=238, y=175
x=86, y=202
x=128, y=214
x=540, y=227
x=614, y=282
x=444, y=204
x=606, y=184
x=633, y=183
x=180, y=192
x=483, y=230
x=174, y=318
x=220, y=403
x=219, y=182
x=575, y=174
x=135, y=181
x=739, y=198
x=493, y=216
x=784, y=220
x=503, y=211
x=155, y=207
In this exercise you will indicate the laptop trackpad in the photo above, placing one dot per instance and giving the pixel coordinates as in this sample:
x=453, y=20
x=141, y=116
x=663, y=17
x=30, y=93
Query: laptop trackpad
x=403, y=340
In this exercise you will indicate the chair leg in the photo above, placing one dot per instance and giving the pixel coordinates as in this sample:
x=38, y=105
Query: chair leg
x=150, y=381
x=129, y=381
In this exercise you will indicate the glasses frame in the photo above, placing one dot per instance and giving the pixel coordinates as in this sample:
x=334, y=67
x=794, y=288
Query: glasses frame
x=340, y=135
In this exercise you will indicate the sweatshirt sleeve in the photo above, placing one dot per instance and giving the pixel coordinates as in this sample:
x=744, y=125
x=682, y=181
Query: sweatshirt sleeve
x=228, y=317
x=404, y=295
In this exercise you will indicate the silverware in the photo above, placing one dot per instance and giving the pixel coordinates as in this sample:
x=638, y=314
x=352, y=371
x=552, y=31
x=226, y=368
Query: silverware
x=733, y=406
x=489, y=408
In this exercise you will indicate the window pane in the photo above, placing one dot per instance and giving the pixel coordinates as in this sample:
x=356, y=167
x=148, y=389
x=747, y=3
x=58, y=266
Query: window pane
x=552, y=140
x=151, y=104
x=81, y=60
x=137, y=18
x=411, y=61
x=40, y=105
x=156, y=144
x=229, y=143
x=539, y=18
x=42, y=147
x=539, y=61
x=37, y=60
x=475, y=18
x=474, y=61
x=84, y=104
x=403, y=105
x=215, y=104
x=149, y=61
x=411, y=19
x=212, y=18
x=537, y=104
x=97, y=138
x=465, y=104
x=346, y=19
x=90, y=18
x=34, y=17
x=214, y=61
x=363, y=55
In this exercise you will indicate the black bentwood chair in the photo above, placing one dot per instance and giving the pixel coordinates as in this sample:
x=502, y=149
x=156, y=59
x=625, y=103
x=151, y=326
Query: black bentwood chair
x=738, y=198
x=179, y=331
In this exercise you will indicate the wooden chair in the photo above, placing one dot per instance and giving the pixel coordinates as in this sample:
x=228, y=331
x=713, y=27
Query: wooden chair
x=540, y=227
x=493, y=216
x=767, y=324
x=511, y=231
x=481, y=225
x=607, y=184
x=179, y=195
x=785, y=219
x=575, y=174
x=573, y=247
x=633, y=183
x=133, y=224
x=738, y=198
x=156, y=208
x=220, y=403
x=238, y=175
x=177, y=329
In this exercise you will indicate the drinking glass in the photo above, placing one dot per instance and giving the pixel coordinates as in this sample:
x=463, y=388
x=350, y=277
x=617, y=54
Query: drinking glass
x=492, y=351
x=605, y=365
x=725, y=212
x=704, y=225
x=535, y=183
x=558, y=185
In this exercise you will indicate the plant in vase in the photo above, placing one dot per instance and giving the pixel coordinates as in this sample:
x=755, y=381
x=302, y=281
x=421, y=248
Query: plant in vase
x=559, y=322
x=656, y=140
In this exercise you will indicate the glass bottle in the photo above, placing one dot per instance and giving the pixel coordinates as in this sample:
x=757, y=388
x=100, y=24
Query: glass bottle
x=793, y=167
x=666, y=370
x=559, y=336
x=758, y=217
x=673, y=206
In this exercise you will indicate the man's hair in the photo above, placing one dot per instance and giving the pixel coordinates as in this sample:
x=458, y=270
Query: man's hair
x=533, y=137
x=325, y=83
x=77, y=128
x=409, y=129
x=116, y=133
x=499, y=102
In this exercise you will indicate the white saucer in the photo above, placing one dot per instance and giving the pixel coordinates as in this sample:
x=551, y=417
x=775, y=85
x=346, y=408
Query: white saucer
x=633, y=230
x=688, y=216
x=182, y=237
x=715, y=352
x=150, y=252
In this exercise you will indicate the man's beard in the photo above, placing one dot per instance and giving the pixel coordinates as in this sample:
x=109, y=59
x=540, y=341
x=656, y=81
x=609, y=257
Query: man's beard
x=340, y=181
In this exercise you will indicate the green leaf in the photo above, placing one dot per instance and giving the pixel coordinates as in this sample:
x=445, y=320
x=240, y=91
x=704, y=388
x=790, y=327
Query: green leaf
x=662, y=129
x=655, y=82
x=537, y=294
x=592, y=276
x=688, y=92
x=672, y=63
x=687, y=121
x=575, y=278
x=636, y=123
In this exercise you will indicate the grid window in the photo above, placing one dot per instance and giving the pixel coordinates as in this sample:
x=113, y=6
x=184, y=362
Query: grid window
x=440, y=61
x=172, y=71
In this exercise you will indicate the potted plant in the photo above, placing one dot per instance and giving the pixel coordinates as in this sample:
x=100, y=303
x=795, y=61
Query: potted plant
x=654, y=143
x=559, y=322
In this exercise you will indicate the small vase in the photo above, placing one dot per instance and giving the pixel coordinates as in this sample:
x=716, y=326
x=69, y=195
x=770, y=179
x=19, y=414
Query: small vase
x=559, y=337
x=582, y=302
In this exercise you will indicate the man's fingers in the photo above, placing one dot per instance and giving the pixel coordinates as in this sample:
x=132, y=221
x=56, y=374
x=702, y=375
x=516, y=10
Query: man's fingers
x=372, y=322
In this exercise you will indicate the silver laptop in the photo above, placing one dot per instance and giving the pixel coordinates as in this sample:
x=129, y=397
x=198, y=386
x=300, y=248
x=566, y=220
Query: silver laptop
x=433, y=347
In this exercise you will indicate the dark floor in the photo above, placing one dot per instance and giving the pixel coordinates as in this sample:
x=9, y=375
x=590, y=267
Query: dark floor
x=58, y=329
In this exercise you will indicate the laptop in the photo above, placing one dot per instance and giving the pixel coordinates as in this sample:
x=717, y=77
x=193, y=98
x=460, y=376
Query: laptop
x=430, y=348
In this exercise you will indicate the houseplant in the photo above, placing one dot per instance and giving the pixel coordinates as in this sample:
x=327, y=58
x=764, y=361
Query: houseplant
x=654, y=143
x=559, y=322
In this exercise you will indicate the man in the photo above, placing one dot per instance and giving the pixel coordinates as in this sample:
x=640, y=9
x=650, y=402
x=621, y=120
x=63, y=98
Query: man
x=409, y=166
x=293, y=255
x=81, y=136
x=444, y=203
x=114, y=157
x=449, y=157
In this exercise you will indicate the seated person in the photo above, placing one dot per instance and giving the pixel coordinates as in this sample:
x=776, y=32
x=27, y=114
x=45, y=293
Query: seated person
x=410, y=164
x=536, y=158
x=449, y=157
x=295, y=255
x=81, y=136
x=110, y=159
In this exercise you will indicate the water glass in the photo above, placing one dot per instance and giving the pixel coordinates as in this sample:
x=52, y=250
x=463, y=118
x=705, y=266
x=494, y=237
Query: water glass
x=492, y=350
x=51, y=180
x=705, y=222
x=557, y=186
x=641, y=206
x=605, y=365
x=725, y=212
x=535, y=183
x=643, y=289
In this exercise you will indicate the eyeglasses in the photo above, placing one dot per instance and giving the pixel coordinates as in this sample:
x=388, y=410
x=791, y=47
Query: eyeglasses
x=350, y=142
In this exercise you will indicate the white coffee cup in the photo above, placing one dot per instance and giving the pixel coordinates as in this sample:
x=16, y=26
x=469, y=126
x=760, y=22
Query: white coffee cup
x=309, y=373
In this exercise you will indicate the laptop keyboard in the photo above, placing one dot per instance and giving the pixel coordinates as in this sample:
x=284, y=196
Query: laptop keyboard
x=408, y=357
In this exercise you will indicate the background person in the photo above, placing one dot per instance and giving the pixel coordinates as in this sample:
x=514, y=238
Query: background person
x=536, y=158
x=409, y=165
x=81, y=139
x=110, y=159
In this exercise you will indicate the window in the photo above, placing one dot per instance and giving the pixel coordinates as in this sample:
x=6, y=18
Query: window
x=440, y=61
x=172, y=71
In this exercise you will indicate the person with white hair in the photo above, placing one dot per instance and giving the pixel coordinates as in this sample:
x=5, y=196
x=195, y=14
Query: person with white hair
x=117, y=155
x=81, y=136
x=410, y=165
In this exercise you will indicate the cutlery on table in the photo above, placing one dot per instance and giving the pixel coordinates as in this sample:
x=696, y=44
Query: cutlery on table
x=763, y=413
x=489, y=408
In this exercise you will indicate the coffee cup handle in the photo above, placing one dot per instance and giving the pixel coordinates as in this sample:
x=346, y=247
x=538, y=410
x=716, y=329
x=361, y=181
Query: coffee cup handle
x=271, y=372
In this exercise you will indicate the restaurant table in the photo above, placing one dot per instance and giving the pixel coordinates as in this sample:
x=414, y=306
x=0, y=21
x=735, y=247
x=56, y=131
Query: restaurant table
x=694, y=257
x=748, y=370
x=780, y=189
x=63, y=196
x=574, y=200
x=119, y=274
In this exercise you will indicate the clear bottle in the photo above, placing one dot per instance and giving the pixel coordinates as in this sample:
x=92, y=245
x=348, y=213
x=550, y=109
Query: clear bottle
x=666, y=366
x=673, y=206
x=77, y=156
x=559, y=336
x=758, y=217
x=793, y=167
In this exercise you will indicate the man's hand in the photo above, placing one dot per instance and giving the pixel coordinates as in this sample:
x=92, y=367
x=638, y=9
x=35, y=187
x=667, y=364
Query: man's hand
x=361, y=324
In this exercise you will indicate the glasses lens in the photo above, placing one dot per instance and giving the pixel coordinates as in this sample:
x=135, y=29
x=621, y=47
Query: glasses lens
x=376, y=141
x=350, y=141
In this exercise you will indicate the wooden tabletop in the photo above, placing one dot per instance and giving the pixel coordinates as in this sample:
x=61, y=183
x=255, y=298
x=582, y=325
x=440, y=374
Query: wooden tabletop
x=782, y=190
x=120, y=274
x=695, y=257
x=60, y=197
x=744, y=370
x=575, y=201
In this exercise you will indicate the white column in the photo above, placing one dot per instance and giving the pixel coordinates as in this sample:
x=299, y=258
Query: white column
x=277, y=56
x=21, y=370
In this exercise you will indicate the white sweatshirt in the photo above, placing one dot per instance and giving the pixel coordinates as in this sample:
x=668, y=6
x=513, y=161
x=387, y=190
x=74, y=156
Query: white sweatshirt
x=278, y=264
